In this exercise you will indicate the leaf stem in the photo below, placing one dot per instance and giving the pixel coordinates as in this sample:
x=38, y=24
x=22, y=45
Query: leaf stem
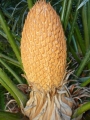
x=85, y=83
x=88, y=17
x=10, y=39
x=80, y=40
x=85, y=25
x=83, y=63
x=67, y=13
x=73, y=23
x=63, y=10
x=12, y=88
x=11, y=71
x=30, y=4
x=10, y=60
x=81, y=110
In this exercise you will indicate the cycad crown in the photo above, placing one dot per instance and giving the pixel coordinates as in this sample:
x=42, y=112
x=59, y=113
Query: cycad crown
x=43, y=52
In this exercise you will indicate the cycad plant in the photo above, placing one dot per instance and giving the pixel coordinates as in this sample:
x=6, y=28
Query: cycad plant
x=54, y=46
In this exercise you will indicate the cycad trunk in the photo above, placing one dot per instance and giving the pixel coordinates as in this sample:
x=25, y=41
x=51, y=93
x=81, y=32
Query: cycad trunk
x=43, y=52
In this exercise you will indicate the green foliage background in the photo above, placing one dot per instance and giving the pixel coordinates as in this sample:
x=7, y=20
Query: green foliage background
x=75, y=17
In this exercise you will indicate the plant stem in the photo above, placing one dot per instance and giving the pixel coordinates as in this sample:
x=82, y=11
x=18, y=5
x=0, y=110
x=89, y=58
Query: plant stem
x=85, y=25
x=81, y=110
x=88, y=17
x=10, y=39
x=11, y=71
x=11, y=116
x=30, y=4
x=2, y=98
x=73, y=23
x=80, y=40
x=63, y=10
x=74, y=54
x=83, y=63
x=12, y=88
x=74, y=44
x=5, y=36
x=67, y=13
x=85, y=83
x=10, y=60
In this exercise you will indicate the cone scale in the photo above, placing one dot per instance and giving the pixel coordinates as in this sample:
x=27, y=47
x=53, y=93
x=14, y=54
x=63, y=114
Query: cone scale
x=43, y=53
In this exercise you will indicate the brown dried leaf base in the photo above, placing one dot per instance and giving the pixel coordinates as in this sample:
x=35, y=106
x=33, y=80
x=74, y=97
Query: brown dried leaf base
x=43, y=106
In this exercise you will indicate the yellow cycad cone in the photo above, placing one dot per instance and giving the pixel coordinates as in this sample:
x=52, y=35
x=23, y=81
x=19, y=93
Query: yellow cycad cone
x=43, y=47
x=43, y=52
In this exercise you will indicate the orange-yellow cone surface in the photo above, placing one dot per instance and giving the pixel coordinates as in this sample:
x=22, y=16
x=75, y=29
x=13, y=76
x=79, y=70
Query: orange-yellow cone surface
x=43, y=47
